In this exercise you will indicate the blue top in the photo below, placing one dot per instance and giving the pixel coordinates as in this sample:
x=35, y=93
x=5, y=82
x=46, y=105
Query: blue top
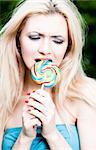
x=39, y=143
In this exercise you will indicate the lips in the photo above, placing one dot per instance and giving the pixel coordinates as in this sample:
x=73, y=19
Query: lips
x=39, y=59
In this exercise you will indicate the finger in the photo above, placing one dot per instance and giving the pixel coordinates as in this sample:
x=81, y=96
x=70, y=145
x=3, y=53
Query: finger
x=38, y=98
x=25, y=107
x=28, y=118
x=31, y=122
x=35, y=122
x=38, y=114
x=26, y=114
x=42, y=92
x=36, y=105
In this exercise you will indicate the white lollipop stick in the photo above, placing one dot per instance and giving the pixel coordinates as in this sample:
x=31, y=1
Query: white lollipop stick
x=42, y=87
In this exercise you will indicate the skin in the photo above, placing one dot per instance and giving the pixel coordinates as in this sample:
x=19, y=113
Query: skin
x=39, y=39
x=42, y=40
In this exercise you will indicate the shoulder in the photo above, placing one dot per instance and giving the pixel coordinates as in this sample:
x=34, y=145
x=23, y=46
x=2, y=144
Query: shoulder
x=84, y=83
x=86, y=123
x=84, y=90
x=85, y=104
x=82, y=96
x=85, y=100
x=89, y=84
x=85, y=111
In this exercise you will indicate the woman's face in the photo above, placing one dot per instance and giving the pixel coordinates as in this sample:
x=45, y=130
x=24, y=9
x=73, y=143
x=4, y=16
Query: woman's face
x=44, y=37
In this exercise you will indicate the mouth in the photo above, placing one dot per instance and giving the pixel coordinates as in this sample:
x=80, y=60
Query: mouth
x=38, y=59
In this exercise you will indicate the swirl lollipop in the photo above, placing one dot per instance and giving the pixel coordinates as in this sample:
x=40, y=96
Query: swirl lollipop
x=45, y=73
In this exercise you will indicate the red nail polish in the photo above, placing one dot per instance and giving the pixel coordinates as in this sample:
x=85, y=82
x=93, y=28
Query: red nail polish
x=33, y=91
x=26, y=101
x=29, y=110
x=27, y=93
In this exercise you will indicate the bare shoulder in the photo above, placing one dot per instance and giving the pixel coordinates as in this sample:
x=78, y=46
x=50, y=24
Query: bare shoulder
x=81, y=109
x=85, y=98
x=85, y=111
x=86, y=123
x=82, y=104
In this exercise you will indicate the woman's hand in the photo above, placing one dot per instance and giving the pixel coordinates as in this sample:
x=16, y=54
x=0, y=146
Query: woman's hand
x=41, y=107
x=30, y=122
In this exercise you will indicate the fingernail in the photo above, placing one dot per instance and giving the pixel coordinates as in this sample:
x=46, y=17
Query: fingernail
x=26, y=101
x=28, y=93
x=29, y=110
x=33, y=91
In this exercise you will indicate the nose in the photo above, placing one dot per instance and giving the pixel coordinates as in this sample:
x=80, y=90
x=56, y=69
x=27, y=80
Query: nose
x=44, y=48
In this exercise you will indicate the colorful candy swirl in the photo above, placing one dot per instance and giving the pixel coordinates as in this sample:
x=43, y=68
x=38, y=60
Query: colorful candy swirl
x=46, y=73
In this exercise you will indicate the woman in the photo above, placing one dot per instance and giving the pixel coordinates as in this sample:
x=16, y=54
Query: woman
x=62, y=117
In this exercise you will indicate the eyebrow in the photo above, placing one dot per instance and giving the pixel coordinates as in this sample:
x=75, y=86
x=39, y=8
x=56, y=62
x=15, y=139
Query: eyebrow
x=53, y=36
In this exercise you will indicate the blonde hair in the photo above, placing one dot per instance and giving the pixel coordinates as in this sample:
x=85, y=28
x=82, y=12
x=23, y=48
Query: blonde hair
x=74, y=82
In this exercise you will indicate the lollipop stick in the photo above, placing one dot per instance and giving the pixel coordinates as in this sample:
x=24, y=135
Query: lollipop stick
x=42, y=87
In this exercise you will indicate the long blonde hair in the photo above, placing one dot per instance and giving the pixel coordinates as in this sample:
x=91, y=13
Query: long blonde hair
x=74, y=82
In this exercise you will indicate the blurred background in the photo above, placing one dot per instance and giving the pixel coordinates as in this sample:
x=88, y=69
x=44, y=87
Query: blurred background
x=88, y=10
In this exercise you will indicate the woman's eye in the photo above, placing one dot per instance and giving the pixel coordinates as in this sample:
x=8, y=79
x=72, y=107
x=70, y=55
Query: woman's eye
x=58, y=41
x=34, y=37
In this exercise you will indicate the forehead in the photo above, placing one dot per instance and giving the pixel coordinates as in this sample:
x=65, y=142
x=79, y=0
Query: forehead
x=49, y=24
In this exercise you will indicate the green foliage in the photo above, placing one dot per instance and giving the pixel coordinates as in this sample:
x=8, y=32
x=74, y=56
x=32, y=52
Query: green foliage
x=88, y=11
x=6, y=9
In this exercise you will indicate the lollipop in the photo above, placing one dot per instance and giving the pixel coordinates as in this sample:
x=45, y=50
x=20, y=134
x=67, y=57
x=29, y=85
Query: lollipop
x=46, y=73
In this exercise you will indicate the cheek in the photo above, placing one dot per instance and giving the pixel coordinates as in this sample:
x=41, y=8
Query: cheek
x=59, y=60
x=27, y=49
x=26, y=46
x=28, y=56
x=28, y=60
x=59, y=53
x=27, y=52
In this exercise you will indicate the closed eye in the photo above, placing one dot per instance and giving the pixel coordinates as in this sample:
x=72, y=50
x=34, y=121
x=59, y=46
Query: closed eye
x=58, y=41
x=34, y=37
